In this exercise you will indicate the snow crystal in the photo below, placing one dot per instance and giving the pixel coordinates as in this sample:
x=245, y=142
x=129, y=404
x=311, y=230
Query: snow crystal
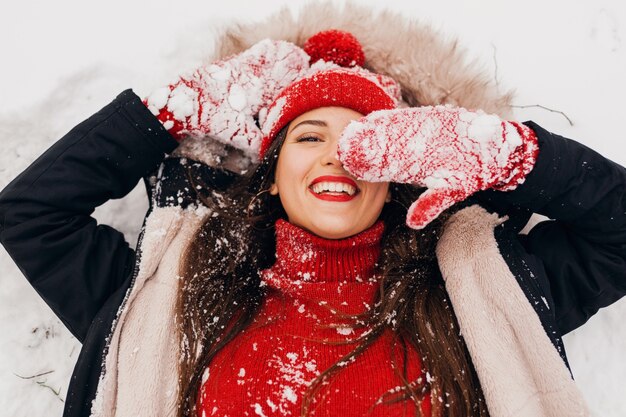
x=430, y=329
x=272, y=405
x=438, y=179
x=242, y=372
x=237, y=98
x=345, y=331
x=205, y=375
x=273, y=114
x=308, y=255
x=482, y=128
x=311, y=366
x=183, y=102
x=158, y=99
x=258, y=410
x=218, y=73
x=290, y=395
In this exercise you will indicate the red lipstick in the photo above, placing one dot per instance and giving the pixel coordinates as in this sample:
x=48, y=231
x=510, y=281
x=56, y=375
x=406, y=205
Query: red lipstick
x=334, y=178
x=340, y=196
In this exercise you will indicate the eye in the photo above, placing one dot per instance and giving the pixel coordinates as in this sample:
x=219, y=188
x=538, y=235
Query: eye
x=308, y=138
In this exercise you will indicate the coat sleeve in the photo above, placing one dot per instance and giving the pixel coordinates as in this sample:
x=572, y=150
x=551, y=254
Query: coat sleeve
x=45, y=213
x=583, y=246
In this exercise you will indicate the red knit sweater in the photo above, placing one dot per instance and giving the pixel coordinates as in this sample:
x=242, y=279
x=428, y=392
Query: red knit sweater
x=266, y=369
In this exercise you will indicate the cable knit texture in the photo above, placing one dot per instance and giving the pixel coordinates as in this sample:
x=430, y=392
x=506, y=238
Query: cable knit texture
x=302, y=331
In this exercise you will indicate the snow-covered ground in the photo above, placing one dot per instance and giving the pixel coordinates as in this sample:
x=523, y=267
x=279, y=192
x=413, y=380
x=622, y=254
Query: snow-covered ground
x=63, y=60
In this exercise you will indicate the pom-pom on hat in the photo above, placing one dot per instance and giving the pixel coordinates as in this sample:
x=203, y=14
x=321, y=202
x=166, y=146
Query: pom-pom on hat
x=336, y=46
x=336, y=78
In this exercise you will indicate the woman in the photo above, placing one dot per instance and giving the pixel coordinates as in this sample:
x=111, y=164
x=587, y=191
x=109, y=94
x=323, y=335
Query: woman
x=105, y=156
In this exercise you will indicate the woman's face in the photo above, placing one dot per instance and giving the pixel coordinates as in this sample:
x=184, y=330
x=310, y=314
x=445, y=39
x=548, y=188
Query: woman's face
x=314, y=189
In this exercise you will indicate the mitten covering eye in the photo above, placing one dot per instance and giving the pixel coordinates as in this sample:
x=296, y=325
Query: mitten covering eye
x=451, y=151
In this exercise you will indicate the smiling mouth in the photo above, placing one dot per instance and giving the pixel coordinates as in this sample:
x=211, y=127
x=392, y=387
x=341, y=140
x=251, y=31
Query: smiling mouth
x=325, y=187
x=334, y=189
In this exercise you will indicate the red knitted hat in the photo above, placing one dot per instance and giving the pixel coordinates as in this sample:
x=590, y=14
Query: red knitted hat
x=336, y=78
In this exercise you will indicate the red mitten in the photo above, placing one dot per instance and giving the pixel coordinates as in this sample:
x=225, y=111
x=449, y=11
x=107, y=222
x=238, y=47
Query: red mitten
x=451, y=151
x=224, y=98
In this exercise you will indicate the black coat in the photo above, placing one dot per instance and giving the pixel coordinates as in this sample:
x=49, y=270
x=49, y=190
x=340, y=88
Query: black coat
x=568, y=267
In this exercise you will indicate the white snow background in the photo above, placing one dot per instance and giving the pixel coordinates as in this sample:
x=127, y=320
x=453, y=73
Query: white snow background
x=64, y=60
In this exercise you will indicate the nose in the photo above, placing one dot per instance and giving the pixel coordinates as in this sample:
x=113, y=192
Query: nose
x=330, y=155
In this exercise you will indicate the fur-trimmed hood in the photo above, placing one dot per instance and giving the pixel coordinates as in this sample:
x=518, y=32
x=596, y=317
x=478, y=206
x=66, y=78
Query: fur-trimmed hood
x=431, y=68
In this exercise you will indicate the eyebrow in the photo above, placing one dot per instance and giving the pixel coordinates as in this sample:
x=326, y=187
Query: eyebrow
x=310, y=122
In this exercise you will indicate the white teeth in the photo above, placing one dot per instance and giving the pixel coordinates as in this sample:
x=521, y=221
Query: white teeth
x=333, y=187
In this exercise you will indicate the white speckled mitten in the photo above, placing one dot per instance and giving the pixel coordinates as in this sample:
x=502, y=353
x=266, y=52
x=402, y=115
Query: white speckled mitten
x=224, y=98
x=451, y=151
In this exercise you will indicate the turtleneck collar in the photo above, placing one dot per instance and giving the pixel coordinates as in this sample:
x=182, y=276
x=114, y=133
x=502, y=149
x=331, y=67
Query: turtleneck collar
x=303, y=256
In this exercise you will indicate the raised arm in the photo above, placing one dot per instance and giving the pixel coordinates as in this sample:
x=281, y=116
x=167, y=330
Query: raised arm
x=583, y=249
x=45, y=213
x=456, y=153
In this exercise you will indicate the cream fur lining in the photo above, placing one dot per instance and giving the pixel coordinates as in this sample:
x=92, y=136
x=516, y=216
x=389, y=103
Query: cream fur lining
x=520, y=371
x=141, y=366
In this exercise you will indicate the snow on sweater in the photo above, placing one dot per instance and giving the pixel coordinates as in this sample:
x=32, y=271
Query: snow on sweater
x=267, y=368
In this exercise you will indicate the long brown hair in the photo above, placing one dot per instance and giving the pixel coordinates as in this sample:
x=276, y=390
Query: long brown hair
x=220, y=295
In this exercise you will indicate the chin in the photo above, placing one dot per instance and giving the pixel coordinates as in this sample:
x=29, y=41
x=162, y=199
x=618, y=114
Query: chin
x=335, y=229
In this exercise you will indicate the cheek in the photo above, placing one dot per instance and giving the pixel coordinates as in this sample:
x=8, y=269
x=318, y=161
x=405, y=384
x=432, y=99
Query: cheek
x=378, y=197
x=379, y=191
x=290, y=174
